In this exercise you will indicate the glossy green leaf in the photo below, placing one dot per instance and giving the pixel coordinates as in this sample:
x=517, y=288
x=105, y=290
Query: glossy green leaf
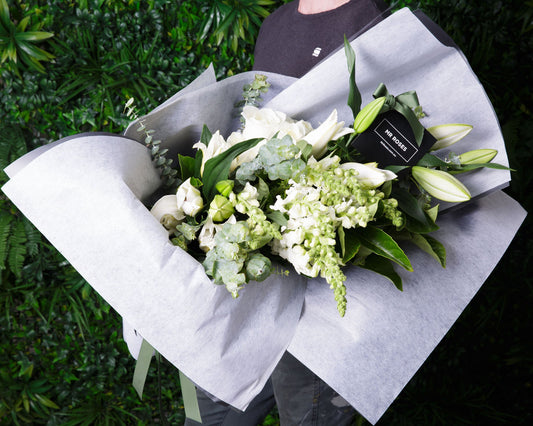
x=382, y=266
x=417, y=219
x=217, y=168
x=350, y=244
x=431, y=246
x=187, y=166
x=354, y=95
x=382, y=244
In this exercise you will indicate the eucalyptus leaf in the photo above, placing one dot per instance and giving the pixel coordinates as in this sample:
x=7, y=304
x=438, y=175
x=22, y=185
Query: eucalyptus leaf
x=277, y=217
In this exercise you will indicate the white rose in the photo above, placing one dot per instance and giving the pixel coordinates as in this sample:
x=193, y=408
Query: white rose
x=369, y=175
x=329, y=130
x=189, y=199
x=166, y=211
x=266, y=122
x=216, y=145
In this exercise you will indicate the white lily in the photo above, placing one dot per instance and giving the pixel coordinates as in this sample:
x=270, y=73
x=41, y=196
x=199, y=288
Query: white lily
x=329, y=130
x=189, y=199
x=369, y=174
x=441, y=185
x=216, y=145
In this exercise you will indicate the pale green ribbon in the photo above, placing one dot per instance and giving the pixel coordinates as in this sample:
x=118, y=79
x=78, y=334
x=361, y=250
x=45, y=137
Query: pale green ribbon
x=188, y=389
x=404, y=104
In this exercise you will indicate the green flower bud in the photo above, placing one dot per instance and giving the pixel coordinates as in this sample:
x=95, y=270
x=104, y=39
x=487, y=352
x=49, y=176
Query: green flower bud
x=220, y=209
x=448, y=134
x=224, y=187
x=440, y=184
x=478, y=156
x=368, y=114
x=258, y=267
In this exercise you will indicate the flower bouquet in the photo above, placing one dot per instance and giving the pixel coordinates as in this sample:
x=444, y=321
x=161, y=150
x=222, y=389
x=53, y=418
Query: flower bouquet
x=88, y=196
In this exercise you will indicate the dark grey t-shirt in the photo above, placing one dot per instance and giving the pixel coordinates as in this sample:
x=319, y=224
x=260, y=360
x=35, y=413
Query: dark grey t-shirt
x=291, y=43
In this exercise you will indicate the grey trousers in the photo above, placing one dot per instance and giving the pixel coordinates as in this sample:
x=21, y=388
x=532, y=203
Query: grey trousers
x=302, y=398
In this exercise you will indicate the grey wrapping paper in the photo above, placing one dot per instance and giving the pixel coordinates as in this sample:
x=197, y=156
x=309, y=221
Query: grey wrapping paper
x=85, y=196
x=229, y=347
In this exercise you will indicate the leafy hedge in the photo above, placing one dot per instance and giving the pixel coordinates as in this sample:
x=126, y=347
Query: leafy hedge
x=62, y=357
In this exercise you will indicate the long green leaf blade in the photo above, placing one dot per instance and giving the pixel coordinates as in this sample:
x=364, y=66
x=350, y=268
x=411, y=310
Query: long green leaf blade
x=217, y=168
x=354, y=96
x=382, y=244
x=384, y=267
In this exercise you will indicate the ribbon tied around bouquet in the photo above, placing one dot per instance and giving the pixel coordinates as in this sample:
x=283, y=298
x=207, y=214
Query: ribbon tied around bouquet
x=404, y=104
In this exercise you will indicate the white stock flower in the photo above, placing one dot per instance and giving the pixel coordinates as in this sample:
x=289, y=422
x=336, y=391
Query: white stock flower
x=216, y=145
x=369, y=175
x=329, y=130
x=189, y=199
x=206, y=238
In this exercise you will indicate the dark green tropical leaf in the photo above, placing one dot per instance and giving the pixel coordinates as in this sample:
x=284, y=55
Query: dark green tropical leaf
x=431, y=246
x=383, y=267
x=354, y=96
x=382, y=244
x=417, y=219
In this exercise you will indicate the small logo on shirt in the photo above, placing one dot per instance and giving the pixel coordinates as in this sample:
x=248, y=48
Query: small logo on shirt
x=317, y=51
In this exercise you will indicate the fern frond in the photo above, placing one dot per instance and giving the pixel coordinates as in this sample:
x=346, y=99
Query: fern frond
x=5, y=231
x=17, y=249
x=33, y=237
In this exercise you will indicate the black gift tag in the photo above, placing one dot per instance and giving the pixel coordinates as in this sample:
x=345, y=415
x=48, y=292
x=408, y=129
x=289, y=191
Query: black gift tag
x=390, y=141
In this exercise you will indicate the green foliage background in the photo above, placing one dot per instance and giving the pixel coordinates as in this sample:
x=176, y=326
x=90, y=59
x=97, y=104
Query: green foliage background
x=62, y=359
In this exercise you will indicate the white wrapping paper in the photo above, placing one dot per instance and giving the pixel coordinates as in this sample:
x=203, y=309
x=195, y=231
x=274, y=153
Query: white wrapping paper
x=86, y=196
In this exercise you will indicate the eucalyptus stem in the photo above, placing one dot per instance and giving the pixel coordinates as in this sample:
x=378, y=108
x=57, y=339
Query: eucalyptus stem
x=168, y=173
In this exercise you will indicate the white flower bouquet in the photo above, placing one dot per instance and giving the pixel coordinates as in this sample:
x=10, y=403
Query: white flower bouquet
x=88, y=195
x=277, y=188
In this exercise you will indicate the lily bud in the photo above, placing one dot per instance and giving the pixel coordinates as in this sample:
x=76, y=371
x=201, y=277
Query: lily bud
x=440, y=184
x=368, y=114
x=478, y=156
x=448, y=134
x=189, y=199
x=224, y=187
x=369, y=175
x=220, y=208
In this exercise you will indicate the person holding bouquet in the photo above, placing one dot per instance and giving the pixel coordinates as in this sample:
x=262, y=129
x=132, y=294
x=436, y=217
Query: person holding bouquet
x=292, y=40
